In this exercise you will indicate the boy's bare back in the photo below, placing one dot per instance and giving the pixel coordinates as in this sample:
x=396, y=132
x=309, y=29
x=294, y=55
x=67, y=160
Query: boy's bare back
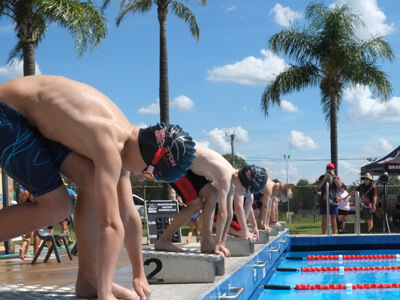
x=211, y=164
x=67, y=111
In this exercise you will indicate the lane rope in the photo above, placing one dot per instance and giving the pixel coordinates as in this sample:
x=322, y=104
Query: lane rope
x=347, y=286
x=339, y=257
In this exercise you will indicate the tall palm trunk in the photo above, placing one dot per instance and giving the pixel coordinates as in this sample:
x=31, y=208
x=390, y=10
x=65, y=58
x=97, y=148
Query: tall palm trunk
x=334, y=135
x=29, y=58
x=164, y=87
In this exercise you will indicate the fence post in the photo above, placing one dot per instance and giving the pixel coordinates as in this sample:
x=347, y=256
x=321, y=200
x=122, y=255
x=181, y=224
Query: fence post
x=328, y=217
x=357, y=220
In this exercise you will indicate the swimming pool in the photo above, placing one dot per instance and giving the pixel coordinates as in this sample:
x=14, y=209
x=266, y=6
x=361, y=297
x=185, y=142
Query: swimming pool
x=359, y=278
x=248, y=282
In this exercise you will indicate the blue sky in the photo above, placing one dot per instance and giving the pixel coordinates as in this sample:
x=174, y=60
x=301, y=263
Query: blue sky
x=216, y=83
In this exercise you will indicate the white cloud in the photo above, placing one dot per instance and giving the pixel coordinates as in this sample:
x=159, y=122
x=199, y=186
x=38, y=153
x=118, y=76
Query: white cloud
x=366, y=109
x=245, y=108
x=182, y=103
x=374, y=18
x=250, y=71
x=288, y=106
x=16, y=69
x=205, y=144
x=153, y=108
x=232, y=8
x=348, y=170
x=220, y=139
x=268, y=164
x=292, y=172
x=298, y=140
x=142, y=125
x=378, y=147
x=284, y=15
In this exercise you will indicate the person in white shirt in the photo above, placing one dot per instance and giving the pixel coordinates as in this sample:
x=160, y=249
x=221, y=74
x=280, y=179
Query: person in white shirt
x=344, y=207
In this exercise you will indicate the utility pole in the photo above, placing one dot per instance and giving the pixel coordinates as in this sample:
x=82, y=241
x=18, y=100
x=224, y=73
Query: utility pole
x=232, y=136
x=287, y=157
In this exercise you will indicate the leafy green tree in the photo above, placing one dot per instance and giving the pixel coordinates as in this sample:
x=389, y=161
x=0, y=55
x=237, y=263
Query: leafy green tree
x=328, y=56
x=32, y=18
x=240, y=162
x=163, y=8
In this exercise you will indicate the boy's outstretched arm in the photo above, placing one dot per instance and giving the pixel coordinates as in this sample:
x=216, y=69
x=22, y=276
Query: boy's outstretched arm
x=133, y=235
x=241, y=216
x=111, y=232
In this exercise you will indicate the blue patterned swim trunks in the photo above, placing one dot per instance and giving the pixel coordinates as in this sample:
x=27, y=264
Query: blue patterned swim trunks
x=27, y=156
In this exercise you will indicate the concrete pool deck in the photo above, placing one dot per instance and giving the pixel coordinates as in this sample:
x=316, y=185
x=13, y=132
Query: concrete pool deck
x=21, y=280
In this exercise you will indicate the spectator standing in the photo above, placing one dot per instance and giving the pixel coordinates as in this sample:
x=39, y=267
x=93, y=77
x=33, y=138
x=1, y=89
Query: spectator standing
x=334, y=183
x=343, y=209
x=368, y=195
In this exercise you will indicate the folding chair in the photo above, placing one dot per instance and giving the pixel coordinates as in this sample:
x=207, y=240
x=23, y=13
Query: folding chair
x=46, y=236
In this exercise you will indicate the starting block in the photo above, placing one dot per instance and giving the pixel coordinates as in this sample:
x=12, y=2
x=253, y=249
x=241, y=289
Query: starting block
x=274, y=230
x=280, y=227
x=263, y=237
x=239, y=246
x=190, y=266
x=283, y=226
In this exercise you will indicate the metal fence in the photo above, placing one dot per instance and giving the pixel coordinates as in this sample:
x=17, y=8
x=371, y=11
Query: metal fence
x=304, y=207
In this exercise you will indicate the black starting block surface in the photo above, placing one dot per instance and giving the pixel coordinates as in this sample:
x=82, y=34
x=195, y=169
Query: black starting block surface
x=190, y=266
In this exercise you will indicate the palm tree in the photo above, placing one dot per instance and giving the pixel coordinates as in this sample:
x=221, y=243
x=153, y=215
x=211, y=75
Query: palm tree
x=330, y=56
x=163, y=8
x=32, y=17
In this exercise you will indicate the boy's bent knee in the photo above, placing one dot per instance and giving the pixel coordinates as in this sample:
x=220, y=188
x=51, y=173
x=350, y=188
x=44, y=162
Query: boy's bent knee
x=58, y=204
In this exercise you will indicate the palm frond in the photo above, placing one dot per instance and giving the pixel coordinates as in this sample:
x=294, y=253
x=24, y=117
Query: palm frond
x=136, y=6
x=295, y=78
x=184, y=13
x=377, y=80
x=377, y=48
x=300, y=45
x=16, y=53
x=84, y=22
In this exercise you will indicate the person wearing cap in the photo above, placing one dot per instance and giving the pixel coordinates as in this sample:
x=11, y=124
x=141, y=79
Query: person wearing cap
x=210, y=180
x=51, y=124
x=272, y=190
x=368, y=195
x=334, y=184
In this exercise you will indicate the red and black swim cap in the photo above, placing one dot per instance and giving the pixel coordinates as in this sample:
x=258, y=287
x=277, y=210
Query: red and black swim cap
x=167, y=150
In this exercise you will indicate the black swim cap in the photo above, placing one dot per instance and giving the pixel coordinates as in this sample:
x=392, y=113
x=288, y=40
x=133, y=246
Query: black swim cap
x=167, y=150
x=253, y=178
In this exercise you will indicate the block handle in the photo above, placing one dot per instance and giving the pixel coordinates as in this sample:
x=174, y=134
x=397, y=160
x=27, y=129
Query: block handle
x=237, y=290
x=260, y=264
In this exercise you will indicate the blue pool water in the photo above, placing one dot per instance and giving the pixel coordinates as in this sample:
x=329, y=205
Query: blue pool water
x=334, y=277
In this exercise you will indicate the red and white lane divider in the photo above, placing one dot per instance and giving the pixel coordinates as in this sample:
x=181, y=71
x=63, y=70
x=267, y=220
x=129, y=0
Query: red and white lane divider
x=347, y=286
